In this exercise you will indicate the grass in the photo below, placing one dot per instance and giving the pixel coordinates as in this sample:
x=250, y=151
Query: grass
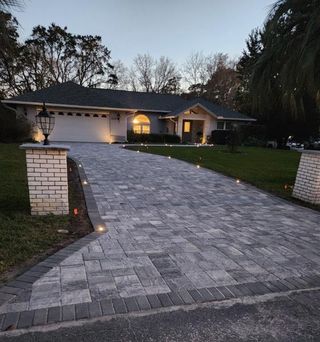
x=25, y=238
x=268, y=169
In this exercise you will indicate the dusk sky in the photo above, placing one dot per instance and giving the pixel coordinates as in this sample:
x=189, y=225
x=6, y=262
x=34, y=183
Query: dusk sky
x=172, y=28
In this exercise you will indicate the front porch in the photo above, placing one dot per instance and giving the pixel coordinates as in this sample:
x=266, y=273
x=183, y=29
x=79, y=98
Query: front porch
x=192, y=131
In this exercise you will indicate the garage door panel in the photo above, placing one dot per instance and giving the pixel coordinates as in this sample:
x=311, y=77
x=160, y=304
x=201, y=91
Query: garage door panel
x=80, y=129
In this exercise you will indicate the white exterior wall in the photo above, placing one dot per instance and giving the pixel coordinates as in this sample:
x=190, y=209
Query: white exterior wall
x=81, y=128
x=210, y=122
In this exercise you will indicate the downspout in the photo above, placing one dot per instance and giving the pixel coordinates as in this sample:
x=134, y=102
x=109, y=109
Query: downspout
x=174, y=123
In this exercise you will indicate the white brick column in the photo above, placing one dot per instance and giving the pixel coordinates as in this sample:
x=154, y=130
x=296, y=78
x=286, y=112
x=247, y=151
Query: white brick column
x=47, y=178
x=307, y=185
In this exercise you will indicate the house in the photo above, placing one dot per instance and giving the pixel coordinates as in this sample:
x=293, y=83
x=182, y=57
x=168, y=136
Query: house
x=103, y=115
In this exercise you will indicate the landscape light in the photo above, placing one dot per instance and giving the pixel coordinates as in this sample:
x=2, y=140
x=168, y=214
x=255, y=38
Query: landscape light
x=45, y=121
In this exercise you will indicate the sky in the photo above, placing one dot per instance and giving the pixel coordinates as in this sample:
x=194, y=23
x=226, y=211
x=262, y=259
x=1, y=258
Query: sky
x=172, y=28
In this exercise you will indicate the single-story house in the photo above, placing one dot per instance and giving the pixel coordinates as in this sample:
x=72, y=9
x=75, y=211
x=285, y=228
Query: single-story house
x=103, y=115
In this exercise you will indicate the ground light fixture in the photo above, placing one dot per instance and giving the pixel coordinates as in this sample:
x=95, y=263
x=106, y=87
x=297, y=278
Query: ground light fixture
x=45, y=121
x=238, y=181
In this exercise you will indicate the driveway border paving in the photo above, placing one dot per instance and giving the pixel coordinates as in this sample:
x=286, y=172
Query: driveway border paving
x=23, y=283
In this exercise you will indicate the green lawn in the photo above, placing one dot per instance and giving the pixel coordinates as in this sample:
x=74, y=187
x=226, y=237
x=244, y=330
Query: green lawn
x=268, y=169
x=23, y=236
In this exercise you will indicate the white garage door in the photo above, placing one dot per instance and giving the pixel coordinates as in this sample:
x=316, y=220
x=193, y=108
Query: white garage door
x=80, y=128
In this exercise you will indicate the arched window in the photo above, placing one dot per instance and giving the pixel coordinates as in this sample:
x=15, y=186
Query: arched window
x=141, y=124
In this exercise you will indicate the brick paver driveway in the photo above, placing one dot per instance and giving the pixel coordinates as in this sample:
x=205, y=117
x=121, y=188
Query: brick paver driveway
x=173, y=227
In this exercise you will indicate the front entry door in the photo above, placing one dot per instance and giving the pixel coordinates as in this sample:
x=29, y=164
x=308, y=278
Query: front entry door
x=187, y=131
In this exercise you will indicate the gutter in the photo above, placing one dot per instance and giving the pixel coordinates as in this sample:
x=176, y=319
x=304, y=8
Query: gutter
x=85, y=107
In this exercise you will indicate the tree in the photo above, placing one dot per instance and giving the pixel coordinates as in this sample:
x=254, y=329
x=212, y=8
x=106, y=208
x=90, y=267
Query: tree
x=254, y=48
x=195, y=72
x=151, y=75
x=122, y=74
x=7, y=4
x=222, y=86
x=53, y=55
x=285, y=80
x=8, y=52
x=212, y=77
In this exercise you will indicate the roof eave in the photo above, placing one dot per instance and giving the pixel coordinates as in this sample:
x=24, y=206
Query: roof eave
x=84, y=107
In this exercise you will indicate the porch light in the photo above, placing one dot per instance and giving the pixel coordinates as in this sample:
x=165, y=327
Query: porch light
x=45, y=122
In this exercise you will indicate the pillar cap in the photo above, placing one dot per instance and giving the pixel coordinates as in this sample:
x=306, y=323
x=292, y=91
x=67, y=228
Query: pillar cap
x=45, y=147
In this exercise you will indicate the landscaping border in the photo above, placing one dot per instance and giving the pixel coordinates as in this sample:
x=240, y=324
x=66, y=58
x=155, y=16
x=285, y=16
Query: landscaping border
x=21, y=286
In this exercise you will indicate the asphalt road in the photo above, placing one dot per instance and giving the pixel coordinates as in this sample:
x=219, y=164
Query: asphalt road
x=293, y=318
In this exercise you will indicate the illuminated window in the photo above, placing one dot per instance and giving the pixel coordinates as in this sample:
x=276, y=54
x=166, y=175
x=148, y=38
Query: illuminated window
x=186, y=126
x=141, y=124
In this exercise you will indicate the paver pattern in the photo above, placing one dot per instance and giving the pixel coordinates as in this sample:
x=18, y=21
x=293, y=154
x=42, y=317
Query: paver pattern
x=173, y=227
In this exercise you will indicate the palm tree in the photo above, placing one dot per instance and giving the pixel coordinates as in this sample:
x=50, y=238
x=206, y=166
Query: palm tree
x=287, y=74
x=7, y=4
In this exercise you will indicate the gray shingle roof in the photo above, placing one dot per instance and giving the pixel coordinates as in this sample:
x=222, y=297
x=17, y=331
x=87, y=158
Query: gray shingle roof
x=70, y=94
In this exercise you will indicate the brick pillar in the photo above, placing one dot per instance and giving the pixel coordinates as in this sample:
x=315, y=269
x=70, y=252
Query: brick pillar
x=307, y=185
x=47, y=178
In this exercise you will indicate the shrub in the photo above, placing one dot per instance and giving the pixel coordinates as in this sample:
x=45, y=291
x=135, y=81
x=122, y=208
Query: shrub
x=152, y=138
x=253, y=135
x=219, y=137
x=13, y=128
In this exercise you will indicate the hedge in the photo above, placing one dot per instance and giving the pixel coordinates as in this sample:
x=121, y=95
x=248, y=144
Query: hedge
x=152, y=138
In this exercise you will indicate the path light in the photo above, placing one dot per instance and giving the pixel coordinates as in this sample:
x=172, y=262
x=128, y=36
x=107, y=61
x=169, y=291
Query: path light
x=80, y=165
x=123, y=146
x=100, y=228
x=169, y=157
x=238, y=181
x=198, y=166
x=45, y=122
x=85, y=182
x=138, y=151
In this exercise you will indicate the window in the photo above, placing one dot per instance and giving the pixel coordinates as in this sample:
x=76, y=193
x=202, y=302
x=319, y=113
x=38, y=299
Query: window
x=229, y=125
x=95, y=115
x=87, y=115
x=79, y=114
x=220, y=125
x=186, y=126
x=141, y=124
